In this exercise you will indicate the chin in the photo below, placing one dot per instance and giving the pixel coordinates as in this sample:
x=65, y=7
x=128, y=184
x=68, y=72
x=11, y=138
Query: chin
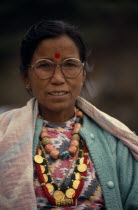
x=60, y=107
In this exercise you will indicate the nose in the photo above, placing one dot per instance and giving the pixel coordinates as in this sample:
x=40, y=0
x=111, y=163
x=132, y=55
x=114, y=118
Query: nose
x=58, y=77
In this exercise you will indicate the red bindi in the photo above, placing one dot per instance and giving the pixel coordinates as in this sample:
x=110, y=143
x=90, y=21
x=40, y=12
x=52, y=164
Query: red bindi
x=57, y=55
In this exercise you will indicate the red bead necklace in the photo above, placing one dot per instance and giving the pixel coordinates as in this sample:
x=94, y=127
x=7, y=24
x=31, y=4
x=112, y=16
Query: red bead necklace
x=74, y=145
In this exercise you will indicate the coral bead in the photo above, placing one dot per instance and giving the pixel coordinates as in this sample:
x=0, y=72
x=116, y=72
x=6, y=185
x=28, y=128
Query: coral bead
x=75, y=143
x=72, y=149
x=49, y=148
x=44, y=134
x=54, y=154
x=77, y=127
x=44, y=128
x=79, y=114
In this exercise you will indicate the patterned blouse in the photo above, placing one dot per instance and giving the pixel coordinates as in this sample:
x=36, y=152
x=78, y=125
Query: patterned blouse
x=90, y=197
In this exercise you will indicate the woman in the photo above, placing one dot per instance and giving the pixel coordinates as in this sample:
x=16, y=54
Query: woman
x=59, y=151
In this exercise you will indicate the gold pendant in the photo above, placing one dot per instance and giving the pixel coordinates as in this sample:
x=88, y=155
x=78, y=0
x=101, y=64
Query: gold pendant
x=59, y=195
x=50, y=187
x=77, y=176
x=42, y=168
x=45, y=177
x=66, y=202
x=76, y=184
x=81, y=160
x=38, y=159
x=82, y=167
x=70, y=193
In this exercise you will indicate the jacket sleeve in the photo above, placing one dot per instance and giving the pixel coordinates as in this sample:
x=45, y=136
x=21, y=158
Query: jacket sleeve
x=127, y=170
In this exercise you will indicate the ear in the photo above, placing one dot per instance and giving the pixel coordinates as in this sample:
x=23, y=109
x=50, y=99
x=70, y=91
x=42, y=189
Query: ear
x=27, y=83
x=25, y=78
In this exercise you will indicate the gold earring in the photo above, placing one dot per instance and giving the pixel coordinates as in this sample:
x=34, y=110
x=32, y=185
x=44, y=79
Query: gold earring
x=81, y=84
x=28, y=86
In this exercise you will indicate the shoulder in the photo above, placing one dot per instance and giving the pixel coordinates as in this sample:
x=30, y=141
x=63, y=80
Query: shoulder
x=92, y=127
x=26, y=115
x=7, y=116
x=109, y=125
x=5, y=120
x=103, y=139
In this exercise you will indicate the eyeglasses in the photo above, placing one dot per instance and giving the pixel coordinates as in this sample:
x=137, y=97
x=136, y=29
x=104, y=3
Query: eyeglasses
x=70, y=68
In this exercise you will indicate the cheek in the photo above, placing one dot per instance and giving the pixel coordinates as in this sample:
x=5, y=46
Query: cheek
x=36, y=84
x=76, y=88
x=35, y=91
x=37, y=88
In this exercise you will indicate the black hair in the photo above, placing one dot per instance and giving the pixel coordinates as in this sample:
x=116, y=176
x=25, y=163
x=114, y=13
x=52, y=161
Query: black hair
x=48, y=29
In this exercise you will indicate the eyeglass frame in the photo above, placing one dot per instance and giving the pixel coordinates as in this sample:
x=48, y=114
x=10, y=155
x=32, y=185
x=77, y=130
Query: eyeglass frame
x=33, y=66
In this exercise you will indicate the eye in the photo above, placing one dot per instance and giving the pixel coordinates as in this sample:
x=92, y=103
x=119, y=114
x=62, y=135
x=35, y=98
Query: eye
x=44, y=65
x=70, y=64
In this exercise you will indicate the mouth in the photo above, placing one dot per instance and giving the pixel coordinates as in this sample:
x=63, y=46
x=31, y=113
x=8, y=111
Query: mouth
x=58, y=93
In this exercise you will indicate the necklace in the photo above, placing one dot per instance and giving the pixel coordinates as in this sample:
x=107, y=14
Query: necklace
x=49, y=168
x=59, y=194
x=74, y=145
x=62, y=195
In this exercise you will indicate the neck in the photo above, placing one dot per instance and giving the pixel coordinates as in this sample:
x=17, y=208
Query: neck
x=57, y=117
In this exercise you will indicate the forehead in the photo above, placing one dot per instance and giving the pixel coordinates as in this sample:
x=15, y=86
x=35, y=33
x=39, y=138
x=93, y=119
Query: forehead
x=63, y=45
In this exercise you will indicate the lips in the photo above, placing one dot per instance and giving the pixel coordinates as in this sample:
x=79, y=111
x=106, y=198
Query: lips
x=58, y=93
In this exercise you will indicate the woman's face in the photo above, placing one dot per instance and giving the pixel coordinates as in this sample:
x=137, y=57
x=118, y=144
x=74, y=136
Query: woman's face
x=44, y=89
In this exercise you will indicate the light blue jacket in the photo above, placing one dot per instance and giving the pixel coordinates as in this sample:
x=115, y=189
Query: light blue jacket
x=117, y=170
